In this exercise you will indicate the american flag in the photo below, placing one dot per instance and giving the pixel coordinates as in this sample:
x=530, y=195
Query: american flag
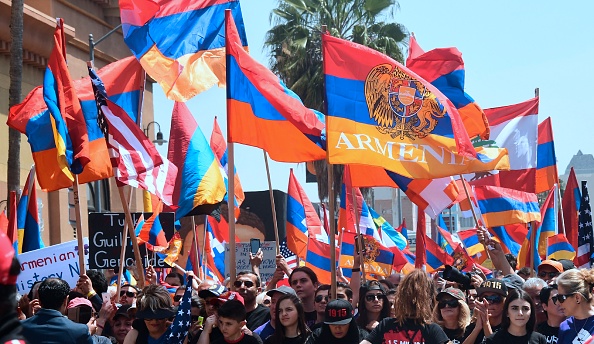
x=181, y=323
x=585, y=239
x=289, y=256
x=135, y=159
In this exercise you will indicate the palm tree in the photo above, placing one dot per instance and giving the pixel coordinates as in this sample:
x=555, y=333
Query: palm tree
x=294, y=44
x=14, y=94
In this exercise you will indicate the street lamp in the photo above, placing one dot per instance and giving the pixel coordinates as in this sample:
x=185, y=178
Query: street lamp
x=159, y=137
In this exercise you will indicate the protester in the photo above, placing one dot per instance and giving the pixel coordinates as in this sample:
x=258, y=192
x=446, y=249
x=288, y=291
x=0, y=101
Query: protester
x=290, y=327
x=452, y=313
x=305, y=282
x=413, y=322
x=177, y=296
x=80, y=310
x=154, y=308
x=533, y=286
x=525, y=272
x=128, y=294
x=229, y=320
x=267, y=329
x=10, y=326
x=248, y=285
x=174, y=279
x=554, y=315
x=548, y=270
x=373, y=305
x=338, y=325
x=210, y=295
x=488, y=311
x=519, y=320
x=49, y=325
x=575, y=299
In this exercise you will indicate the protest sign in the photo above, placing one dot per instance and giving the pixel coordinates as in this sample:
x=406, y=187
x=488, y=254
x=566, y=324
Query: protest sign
x=242, y=255
x=59, y=261
x=105, y=240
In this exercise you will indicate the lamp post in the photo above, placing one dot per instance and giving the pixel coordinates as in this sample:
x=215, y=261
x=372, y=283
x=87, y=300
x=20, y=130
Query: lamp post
x=92, y=43
x=159, y=136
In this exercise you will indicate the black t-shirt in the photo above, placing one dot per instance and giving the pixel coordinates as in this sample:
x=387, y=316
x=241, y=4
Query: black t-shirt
x=550, y=333
x=481, y=336
x=504, y=337
x=216, y=336
x=300, y=339
x=456, y=336
x=310, y=318
x=388, y=331
x=245, y=339
x=257, y=317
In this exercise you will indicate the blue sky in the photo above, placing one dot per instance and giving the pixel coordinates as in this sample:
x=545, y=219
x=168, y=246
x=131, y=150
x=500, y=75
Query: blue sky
x=509, y=49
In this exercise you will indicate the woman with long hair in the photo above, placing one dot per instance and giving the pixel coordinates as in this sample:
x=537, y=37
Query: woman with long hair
x=338, y=325
x=373, y=305
x=576, y=298
x=289, y=323
x=154, y=311
x=519, y=321
x=414, y=315
x=452, y=313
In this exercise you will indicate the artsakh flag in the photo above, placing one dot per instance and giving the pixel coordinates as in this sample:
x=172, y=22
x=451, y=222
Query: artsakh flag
x=180, y=44
x=382, y=114
x=263, y=112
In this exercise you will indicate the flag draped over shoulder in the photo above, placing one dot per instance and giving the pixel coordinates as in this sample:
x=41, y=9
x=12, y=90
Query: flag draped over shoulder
x=180, y=44
x=123, y=80
x=134, y=158
x=571, y=206
x=444, y=69
x=29, y=233
x=264, y=113
x=199, y=186
x=68, y=123
x=546, y=160
x=301, y=218
x=382, y=114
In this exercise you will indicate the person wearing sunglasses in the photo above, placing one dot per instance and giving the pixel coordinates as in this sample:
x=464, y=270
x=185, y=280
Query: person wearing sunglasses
x=554, y=315
x=414, y=315
x=548, y=270
x=321, y=300
x=452, y=313
x=373, y=305
x=128, y=294
x=248, y=285
x=154, y=309
x=518, y=322
x=488, y=310
x=576, y=301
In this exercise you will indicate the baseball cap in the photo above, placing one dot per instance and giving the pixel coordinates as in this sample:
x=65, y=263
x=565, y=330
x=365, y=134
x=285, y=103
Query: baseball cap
x=554, y=264
x=453, y=292
x=492, y=285
x=123, y=311
x=214, y=290
x=567, y=264
x=338, y=312
x=513, y=281
x=230, y=295
x=283, y=289
x=79, y=301
x=6, y=257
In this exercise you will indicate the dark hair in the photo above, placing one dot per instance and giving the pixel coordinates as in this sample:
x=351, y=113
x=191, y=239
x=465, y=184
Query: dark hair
x=74, y=294
x=246, y=272
x=545, y=293
x=526, y=270
x=32, y=290
x=347, y=289
x=8, y=292
x=309, y=272
x=387, y=284
x=232, y=309
x=323, y=287
x=513, y=295
x=279, y=335
x=363, y=318
x=176, y=275
x=512, y=260
x=98, y=281
x=131, y=286
x=53, y=292
x=352, y=335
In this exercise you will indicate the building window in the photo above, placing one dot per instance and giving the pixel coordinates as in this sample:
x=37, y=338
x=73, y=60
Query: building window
x=98, y=198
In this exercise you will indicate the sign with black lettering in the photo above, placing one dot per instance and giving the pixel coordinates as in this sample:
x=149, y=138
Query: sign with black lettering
x=105, y=240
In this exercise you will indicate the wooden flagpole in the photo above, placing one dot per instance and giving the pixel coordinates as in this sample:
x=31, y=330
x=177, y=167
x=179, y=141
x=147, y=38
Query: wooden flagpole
x=123, y=254
x=204, y=238
x=272, y=205
x=359, y=238
x=196, y=255
x=131, y=231
x=476, y=220
x=79, y=232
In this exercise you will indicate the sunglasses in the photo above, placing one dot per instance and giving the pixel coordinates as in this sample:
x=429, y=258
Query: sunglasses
x=176, y=298
x=561, y=297
x=266, y=302
x=551, y=274
x=127, y=293
x=373, y=297
x=492, y=299
x=448, y=304
x=319, y=298
x=248, y=284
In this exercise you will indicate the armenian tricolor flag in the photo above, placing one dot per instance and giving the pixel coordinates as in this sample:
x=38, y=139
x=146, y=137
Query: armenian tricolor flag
x=548, y=226
x=559, y=248
x=571, y=206
x=501, y=206
x=546, y=161
x=29, y=233
x=318, y=259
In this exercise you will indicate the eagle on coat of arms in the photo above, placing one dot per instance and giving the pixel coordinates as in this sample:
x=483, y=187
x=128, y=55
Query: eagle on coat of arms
x=399, y=104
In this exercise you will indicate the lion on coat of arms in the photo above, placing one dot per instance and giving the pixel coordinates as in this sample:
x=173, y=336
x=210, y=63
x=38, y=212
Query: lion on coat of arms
x=400, y=105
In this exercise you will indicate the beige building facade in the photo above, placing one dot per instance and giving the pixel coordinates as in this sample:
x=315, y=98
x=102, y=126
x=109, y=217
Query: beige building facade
x=81, y=17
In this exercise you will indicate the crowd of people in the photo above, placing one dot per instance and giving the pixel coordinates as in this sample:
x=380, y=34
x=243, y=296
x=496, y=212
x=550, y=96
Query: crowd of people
x=554, y=306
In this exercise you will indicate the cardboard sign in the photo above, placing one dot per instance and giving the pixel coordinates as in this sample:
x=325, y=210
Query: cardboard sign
x=105, y=240
x=53, y=261
x=242, y=255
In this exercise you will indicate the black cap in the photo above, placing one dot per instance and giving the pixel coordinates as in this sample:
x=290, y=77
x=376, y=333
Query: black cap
x=338, y=312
